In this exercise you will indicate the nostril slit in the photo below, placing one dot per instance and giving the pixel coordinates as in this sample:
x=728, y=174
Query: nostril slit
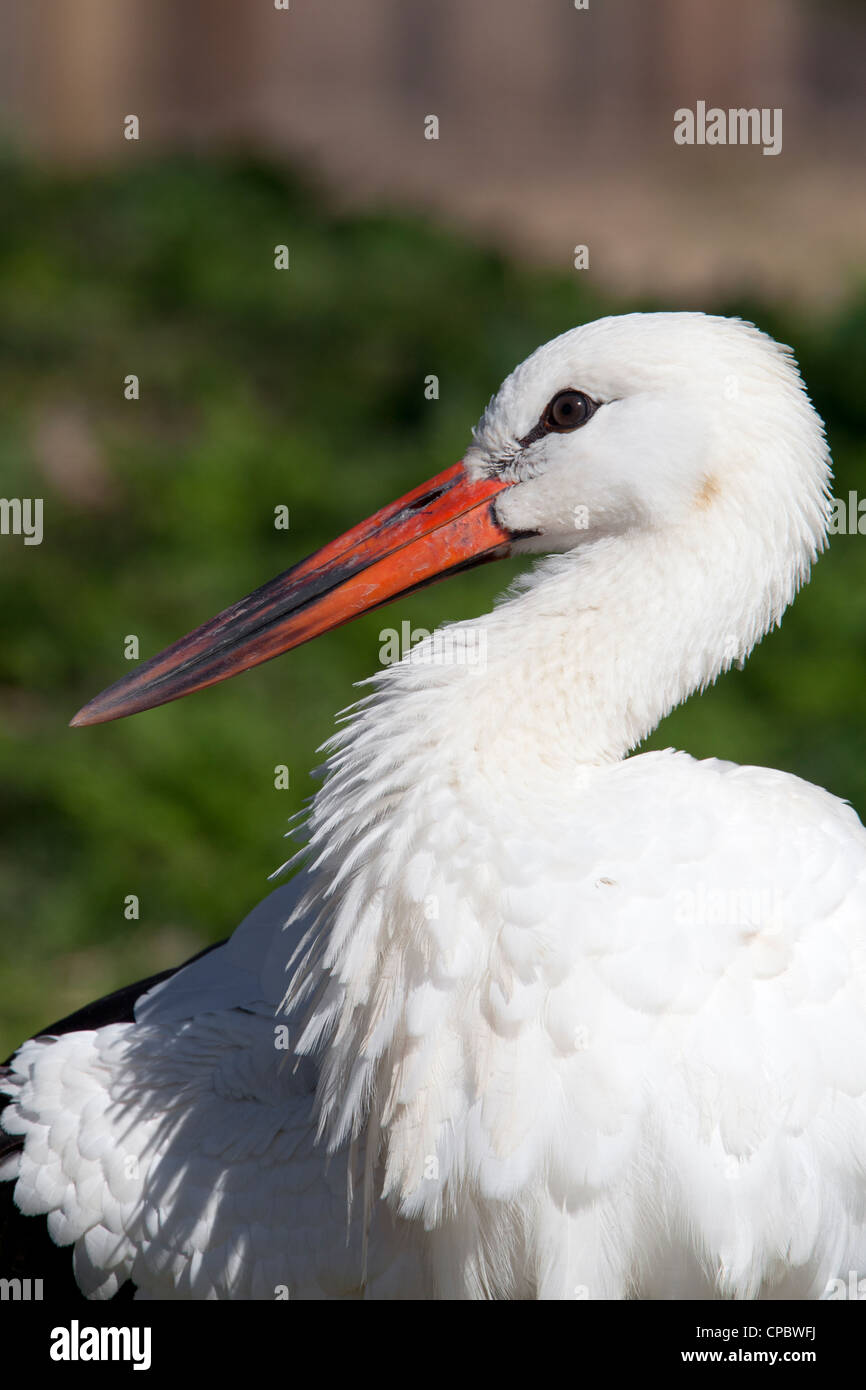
x=421, y=502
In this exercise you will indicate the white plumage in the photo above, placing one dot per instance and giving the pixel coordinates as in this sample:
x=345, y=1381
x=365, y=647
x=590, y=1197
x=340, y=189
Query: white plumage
x=562, y=1023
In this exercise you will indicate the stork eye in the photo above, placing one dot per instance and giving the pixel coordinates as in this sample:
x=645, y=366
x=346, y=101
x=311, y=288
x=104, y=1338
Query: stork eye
x=567, y=410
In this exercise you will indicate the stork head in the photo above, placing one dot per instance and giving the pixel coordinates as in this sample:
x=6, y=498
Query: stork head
x=680, y=425
x=656, y=422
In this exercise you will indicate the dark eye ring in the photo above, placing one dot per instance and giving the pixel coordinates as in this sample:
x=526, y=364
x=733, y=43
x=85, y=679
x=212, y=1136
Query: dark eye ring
x=567, y=411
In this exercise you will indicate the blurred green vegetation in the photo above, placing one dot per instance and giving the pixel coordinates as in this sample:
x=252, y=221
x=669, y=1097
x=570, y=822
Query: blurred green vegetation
x=258, y=388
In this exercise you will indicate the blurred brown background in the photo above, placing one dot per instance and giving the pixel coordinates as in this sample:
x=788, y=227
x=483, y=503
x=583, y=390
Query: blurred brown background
x=556, y=124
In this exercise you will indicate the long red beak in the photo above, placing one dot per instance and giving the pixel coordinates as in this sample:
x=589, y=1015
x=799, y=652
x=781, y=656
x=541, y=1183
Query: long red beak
x=445, y=525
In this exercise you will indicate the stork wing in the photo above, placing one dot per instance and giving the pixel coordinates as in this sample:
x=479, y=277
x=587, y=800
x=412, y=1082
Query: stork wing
x=178, y=1151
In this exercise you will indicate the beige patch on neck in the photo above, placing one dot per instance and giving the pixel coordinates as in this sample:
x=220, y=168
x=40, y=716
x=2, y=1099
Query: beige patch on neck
x=709, y=492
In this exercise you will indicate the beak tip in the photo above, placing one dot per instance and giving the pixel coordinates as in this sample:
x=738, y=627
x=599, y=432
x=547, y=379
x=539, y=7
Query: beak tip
x=85, y=716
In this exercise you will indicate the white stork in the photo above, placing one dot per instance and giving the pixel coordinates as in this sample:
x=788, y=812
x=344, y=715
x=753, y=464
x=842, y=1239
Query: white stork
x=560, y=1022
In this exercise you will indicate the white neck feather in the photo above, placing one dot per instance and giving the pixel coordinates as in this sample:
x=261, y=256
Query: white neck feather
x=581, y=663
